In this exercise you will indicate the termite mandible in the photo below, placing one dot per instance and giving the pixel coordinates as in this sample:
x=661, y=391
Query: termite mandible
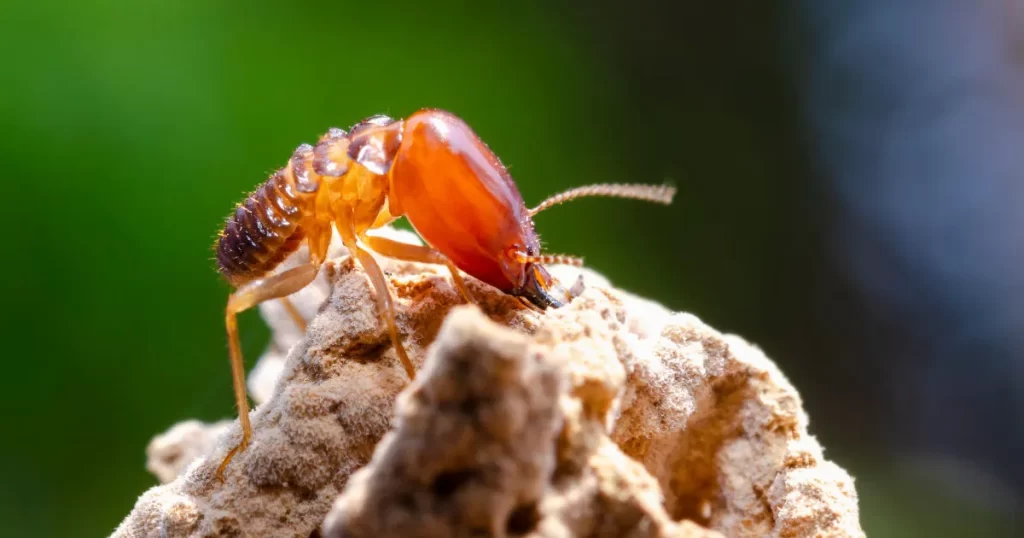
x=430, y=168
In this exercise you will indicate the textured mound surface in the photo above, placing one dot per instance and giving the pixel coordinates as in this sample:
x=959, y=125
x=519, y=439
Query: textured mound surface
x=609, y=417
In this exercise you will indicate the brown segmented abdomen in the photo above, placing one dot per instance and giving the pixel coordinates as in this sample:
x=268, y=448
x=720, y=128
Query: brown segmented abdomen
x=267, y=227
x=264, y=230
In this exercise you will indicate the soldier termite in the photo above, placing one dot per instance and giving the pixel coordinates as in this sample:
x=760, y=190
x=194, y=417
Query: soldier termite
x=430, y=168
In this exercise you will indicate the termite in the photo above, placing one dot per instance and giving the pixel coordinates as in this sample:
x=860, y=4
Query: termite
x=430, y=168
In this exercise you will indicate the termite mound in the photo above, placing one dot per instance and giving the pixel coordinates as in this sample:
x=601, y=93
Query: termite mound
x=611, y=416
x=430, y=168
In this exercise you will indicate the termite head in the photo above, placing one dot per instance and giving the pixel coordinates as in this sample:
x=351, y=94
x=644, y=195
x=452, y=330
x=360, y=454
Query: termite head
x=530, y=280
x=543, y=290
x=463, y=202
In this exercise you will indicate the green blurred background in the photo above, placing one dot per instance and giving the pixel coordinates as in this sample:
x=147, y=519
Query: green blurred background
x=131, y=128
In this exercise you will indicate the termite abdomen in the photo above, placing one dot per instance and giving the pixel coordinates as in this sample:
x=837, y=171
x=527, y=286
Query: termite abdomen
x=262, y=232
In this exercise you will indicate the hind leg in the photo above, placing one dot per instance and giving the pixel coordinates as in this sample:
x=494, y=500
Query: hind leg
x=246, y=297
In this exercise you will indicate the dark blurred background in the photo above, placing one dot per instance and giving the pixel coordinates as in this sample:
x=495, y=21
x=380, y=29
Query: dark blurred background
x=850, y=194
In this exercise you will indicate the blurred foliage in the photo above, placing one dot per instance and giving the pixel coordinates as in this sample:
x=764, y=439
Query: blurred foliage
x=131, y=129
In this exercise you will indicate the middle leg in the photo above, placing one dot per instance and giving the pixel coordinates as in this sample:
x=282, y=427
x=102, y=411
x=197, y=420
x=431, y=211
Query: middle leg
x=343, y=222
x=417, y=253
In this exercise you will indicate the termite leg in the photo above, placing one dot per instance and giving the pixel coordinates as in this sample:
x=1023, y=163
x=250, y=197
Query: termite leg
x=294, y=313
x=249, y=295
x=380, y=286
x=385, y=304
x=417, y=253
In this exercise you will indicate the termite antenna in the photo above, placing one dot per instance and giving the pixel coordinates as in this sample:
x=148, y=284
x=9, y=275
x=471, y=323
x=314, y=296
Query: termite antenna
x=551, y=259
x=661, y=194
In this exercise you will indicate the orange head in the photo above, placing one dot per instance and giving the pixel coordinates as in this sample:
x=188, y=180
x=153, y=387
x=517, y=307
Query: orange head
x=460, y=198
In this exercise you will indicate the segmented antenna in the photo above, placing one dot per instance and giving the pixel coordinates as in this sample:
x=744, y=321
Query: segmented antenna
x=551, y=259
x=661, y=194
